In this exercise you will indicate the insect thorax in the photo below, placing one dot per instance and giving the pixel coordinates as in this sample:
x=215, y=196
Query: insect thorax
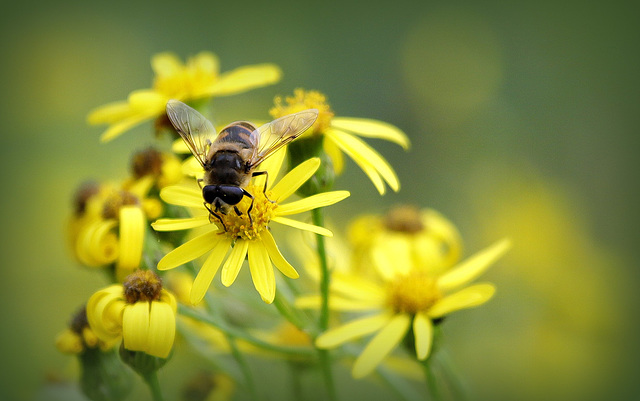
x=227, y=167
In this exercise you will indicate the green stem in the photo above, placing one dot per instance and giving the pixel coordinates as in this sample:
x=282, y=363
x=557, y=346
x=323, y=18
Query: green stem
x=151, y=379
x=457, y=386
x=244, y=366
x=325, y=281
x=239, y=334
x=432, y=380
x=296, y=382
x=290, y=313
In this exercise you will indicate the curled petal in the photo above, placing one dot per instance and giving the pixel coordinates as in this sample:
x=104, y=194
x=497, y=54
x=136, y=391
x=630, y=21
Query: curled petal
x=132, y=226
x=135, y=326
x=372, y=129
x=162, y=330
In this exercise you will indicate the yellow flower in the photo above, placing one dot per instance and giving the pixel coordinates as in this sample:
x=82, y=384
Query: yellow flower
x=108, y=226
x=340, y=136
x=199, y=78
x=411, y=300
x=248, y=237
x=79, y=336
x=139, y=311
x=425, y=236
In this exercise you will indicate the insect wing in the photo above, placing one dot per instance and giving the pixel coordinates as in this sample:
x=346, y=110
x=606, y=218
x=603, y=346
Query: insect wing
x=278, y=133
x=196, y=131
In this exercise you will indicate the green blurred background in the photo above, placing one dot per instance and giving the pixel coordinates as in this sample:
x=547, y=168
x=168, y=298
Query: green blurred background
x=523, y=119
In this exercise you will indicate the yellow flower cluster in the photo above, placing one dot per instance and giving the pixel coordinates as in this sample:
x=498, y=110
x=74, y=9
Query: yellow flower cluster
x=397, y=277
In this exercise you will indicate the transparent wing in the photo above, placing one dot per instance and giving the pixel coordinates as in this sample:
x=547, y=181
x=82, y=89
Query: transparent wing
x=196, y=131
x=276, y=134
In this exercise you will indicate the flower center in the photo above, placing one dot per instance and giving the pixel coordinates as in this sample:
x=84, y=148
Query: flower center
x=115, y=200
x=146, y=162
x=302, y=100
x=142, y=285
x=83, y=194
x=189, y=81
x=404, y=219
x=413, y=293
x=241, y=226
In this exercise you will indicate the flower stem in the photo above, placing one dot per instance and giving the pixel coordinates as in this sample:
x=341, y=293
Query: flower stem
x=246, y=371
x=325, y=279
x=432, y=380
x=151, y=379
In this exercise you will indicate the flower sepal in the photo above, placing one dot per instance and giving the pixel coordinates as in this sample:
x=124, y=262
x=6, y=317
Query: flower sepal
x=102, y=376
x=305, y=148
x=142, y=363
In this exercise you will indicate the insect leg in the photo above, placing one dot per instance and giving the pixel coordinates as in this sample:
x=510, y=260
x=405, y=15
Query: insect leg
x=266, y=180
x=247, y=194
x=212, y=213
x=200, y=181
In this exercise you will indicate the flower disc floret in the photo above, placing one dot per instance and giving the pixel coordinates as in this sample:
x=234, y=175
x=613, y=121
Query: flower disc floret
x=413, y=293
x=241, y=226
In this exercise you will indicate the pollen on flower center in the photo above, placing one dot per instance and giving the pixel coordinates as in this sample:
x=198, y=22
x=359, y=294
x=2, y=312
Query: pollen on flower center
x=413, y=293
x=142, y=285
x=302, y=100
x=241, y=226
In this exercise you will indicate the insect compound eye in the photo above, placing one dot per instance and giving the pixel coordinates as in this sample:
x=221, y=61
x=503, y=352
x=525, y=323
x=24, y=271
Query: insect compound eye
x=210, y=193
x=231, y=194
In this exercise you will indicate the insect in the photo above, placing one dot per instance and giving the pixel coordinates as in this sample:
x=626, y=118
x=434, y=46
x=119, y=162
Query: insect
x=229, y=158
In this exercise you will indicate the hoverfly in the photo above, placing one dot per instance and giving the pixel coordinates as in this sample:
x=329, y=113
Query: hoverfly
x=229, y=158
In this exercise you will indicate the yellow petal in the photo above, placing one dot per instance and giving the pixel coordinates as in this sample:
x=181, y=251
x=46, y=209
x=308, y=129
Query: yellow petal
x=272, y=166
x=182, y=196
x=166, y=64
x=132, y=226
x=117, y=129
x=135, y=326
x=243, y=79
x=234, y=263
x=208, y=270
x=290, y=183
x=190, y=250
x=262, y=271
x=368, y=168
x=423, y=333
x=276, y=257
x=381, y=345
x=162, y=329
x=392, y=256
x=473, y=266
x=303, y=226
x=336, y=302
x=353, y=286
x=352, y=330
x=206, y=62
x=359, y=150
x=96, y=244
x=148, y=101
x=69, y=342
x=312, y=202
x=109, y=113
x=372, y=129
x=180, y=224
x=469, y=297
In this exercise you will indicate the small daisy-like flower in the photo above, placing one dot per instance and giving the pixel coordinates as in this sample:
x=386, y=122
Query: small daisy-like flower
x=139, y=311
x=247, y=237
x=199, y=78
x=79, y=336
x=341, y=135
x=425, y=236
x=410, y=301
x=108, y=226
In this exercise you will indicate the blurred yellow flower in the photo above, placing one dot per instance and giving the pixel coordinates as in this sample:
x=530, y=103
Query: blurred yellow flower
x=79, y=336
x=340, y=135
x=139, y=311
x=199, y=78
x=425, y=236
x=248, y=237
x=409, y=300
x=108, y=226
